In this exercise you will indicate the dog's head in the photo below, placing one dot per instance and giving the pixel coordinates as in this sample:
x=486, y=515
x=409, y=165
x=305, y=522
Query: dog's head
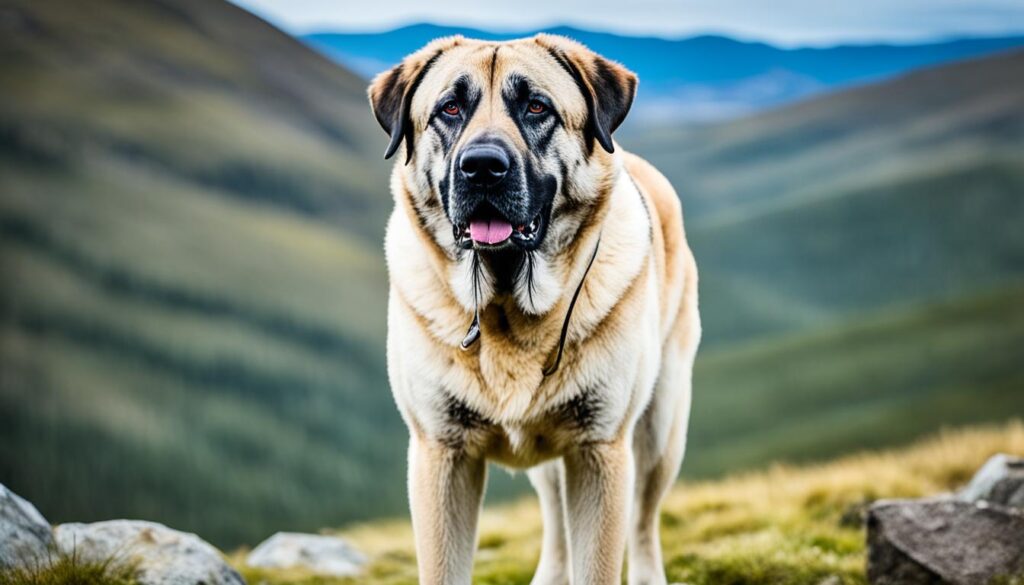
x=506, y=144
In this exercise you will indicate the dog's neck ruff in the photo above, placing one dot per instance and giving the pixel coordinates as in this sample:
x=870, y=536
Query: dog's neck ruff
x=555, y=358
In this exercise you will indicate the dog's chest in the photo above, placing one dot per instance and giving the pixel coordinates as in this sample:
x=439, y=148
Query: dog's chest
x=552, y=432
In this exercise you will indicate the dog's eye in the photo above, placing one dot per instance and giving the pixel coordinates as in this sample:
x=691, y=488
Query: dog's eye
x=451, y=108
x=535, y=107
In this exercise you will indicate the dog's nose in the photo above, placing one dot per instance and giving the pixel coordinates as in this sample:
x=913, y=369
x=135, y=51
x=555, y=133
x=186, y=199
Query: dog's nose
x=484, y=165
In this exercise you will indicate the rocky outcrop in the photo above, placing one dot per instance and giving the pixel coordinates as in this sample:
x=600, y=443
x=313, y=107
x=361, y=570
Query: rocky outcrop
x=25, y=535
x=943, y=540
x=999, y=481
x=972, y=538
x=161, y=555
x=322, y=555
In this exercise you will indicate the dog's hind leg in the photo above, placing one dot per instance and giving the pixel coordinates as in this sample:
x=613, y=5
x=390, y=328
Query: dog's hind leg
x=658, y=445
x=549, y=482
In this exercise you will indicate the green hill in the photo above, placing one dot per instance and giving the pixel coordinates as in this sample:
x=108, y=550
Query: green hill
x=879, y=197
x=880, y=380
x=862, y=264
x=193, y=300
x=191, y=318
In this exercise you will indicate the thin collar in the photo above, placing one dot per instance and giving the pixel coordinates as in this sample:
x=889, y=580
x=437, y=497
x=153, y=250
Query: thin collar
x=556, y=358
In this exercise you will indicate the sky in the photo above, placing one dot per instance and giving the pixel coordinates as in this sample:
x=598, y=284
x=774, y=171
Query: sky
x=783, y=22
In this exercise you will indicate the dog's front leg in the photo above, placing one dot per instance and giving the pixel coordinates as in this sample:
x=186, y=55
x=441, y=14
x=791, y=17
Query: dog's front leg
x=599, y=480
x=445, y=491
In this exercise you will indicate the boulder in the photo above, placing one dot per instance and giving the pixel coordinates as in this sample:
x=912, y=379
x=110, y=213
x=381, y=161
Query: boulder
x=943, y=540
x=319, y=554
x=999, y=481
x=25, y=536
x=162, y=556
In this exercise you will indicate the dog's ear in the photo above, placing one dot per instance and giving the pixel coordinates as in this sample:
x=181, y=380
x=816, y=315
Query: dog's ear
x=391, y=94
x=387, y=100
x=607, y=86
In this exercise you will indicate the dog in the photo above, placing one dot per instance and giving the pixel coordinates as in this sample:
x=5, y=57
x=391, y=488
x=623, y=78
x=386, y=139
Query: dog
x=542, y=311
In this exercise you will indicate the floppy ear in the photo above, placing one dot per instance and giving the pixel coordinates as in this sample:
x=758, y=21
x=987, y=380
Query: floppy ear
x=607, y=86
x=614, y=88
x=390, y=106
x=391, y=93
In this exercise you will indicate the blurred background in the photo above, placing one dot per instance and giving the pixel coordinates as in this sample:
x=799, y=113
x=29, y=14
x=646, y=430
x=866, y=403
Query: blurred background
x=192, y=202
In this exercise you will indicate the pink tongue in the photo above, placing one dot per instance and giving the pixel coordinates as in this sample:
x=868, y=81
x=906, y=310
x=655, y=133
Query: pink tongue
x=492, y=231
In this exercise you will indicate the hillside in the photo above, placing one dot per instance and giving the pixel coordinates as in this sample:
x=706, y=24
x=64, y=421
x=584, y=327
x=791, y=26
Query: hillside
x=784, y=526
x=696, y=78
x=879, y=380
x=191, y=318
x=862, y=264
x=901, y=193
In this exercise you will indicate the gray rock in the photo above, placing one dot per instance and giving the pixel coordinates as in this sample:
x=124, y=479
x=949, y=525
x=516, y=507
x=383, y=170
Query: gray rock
x=943, y=540
x=999, y=481
x=163, y=556
x=25, y=536
x=323, y=555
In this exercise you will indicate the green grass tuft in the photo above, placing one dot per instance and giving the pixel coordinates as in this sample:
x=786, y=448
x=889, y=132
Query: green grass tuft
x=62, y=569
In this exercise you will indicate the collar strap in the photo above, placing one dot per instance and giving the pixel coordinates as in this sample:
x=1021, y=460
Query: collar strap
x=556, y=358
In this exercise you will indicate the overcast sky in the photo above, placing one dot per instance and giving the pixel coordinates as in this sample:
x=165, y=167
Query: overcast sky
x=788, y=22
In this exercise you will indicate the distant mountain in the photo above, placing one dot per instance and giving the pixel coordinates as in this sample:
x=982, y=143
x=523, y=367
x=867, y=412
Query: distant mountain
x=698, y=78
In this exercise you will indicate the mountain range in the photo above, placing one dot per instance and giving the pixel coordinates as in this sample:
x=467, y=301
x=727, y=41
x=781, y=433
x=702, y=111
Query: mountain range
x=192, y=313
x=696, y=78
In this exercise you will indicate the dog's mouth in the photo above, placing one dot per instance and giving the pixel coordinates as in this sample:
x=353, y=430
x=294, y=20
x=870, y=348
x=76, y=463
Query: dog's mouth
x=488, y=228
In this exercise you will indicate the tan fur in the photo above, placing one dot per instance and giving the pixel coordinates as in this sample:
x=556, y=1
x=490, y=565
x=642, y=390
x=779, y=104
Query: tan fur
x=604, y=435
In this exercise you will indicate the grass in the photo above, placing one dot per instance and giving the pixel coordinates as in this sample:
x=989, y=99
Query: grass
x=69, y=569
x=781, y=526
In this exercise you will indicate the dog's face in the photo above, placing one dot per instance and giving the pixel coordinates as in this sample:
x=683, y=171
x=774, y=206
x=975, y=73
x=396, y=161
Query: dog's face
x=506, y=144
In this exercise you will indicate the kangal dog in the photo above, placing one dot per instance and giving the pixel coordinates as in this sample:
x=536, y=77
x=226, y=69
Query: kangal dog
x=543, y=304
